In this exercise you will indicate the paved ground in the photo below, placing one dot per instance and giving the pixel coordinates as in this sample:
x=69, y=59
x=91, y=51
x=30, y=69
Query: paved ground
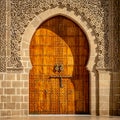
x=64, y=118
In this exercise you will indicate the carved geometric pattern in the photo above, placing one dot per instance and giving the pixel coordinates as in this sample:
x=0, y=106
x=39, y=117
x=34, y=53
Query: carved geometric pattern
x=94, y=12
x=114, y=43
x=2, y=35
x=23, y=11
x=116, y=35
x=119, y=34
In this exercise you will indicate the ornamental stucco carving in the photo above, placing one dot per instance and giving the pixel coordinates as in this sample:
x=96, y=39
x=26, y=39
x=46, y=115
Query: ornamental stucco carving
x=94, y=12
x=116, y=35
x=23, y=11
x=2, y=35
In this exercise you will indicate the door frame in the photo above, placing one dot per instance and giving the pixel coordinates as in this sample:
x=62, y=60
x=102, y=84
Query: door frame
x=38, y=20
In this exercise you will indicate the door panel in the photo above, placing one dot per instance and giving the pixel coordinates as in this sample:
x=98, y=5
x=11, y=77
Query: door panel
x=63, y=89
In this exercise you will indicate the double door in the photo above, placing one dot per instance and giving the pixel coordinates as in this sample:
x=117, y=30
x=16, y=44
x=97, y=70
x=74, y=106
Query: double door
x=59, y=80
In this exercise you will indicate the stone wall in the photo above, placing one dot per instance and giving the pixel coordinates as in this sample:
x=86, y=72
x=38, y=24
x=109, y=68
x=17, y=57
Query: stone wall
x=14, y=97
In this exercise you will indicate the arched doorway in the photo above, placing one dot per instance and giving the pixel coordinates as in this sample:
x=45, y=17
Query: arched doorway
x=59, y=80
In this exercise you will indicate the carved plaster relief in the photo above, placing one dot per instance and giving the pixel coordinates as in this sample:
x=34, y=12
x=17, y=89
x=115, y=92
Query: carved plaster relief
x=116, y=35
x=94, y=12
x=2, y=35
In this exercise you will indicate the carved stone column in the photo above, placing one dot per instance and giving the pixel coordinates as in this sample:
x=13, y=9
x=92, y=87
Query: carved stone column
x=104, y=92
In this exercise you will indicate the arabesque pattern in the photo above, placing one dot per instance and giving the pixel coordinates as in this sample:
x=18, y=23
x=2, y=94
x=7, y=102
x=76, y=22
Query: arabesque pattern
x=2, y=35
x=22, y=12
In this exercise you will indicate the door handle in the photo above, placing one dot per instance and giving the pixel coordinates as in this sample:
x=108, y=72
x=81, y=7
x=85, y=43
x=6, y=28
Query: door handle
x=61, y=85
x=60, y=78
x=58, y=68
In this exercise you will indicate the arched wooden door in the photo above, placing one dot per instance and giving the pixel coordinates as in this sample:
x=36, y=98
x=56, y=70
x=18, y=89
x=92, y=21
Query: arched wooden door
x=59, y=80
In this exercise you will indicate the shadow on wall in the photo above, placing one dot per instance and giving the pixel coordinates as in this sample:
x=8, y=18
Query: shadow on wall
x=115, y=94
x=97, y=86
x=115, y=60
x=112, y=51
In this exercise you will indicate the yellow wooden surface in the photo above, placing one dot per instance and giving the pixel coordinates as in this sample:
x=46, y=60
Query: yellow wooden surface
x=59, y=41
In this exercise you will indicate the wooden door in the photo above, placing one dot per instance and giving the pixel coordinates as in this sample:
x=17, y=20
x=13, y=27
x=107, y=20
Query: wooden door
x=59, y=80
